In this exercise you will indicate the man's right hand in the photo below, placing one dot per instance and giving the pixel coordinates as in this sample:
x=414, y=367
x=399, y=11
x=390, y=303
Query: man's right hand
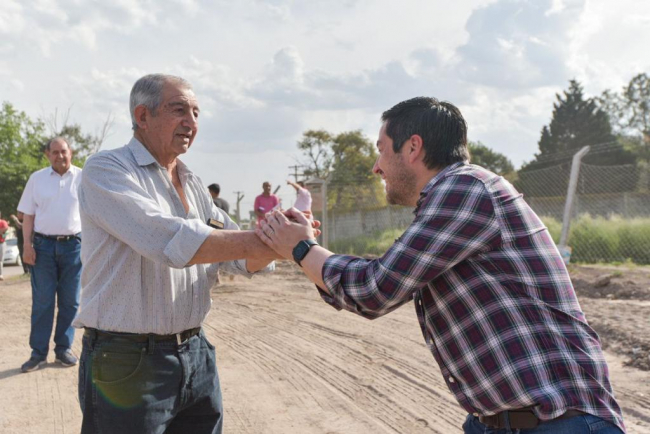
x=29, y=254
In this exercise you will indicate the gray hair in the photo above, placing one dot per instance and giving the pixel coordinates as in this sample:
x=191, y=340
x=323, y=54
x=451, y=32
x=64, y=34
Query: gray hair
x=147, y=91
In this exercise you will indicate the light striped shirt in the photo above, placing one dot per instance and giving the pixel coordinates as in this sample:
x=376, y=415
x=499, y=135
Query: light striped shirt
x=137, y=241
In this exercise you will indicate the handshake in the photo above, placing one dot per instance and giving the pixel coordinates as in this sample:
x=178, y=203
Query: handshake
x=282, y=230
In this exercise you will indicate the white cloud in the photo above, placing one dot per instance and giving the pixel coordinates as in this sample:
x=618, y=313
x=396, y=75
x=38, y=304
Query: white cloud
x=266, y=70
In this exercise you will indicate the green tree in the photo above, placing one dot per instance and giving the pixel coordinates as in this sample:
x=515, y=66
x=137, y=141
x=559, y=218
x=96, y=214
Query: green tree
x=22, y=145
x=346, y=160
x=316, y=145
x=630, y=114
x=21, y=153
x=576, y=122
x=491, y=160
x=352, y=184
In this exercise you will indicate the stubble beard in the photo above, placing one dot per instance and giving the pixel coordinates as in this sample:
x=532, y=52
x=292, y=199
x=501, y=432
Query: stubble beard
x=399, y=191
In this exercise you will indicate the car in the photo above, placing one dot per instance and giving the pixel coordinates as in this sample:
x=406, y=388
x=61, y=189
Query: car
x=12, y=255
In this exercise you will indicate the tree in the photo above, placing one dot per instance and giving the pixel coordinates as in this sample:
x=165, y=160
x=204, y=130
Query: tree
x=352, y=184
x=21, y=144
x=577, y=122
x=491, y=160
x=317, y=147
x=346, y=160
x=630, y=112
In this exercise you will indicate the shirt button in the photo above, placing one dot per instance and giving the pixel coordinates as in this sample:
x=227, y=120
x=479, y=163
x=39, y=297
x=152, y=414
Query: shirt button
x=452, y=379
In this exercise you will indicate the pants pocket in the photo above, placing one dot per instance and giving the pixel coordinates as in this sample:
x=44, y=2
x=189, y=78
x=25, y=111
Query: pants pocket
x=119, y=376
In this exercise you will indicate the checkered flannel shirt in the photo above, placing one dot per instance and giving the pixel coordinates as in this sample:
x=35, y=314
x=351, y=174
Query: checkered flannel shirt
x=494, y=300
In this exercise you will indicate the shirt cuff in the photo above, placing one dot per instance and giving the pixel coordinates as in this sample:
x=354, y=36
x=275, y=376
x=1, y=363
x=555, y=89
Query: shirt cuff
x=184, y=245
x=241, y=265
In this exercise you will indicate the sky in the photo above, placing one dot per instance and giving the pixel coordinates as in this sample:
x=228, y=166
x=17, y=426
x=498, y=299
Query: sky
x=265, y=71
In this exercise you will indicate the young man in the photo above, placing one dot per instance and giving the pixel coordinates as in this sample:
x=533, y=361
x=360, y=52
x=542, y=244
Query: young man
x=491, y=292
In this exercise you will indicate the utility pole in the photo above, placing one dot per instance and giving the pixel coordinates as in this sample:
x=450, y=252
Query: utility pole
x=295, y=168
x=240, y=196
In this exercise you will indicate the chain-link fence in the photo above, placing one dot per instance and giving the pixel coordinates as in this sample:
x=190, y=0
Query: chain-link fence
x=609, y=220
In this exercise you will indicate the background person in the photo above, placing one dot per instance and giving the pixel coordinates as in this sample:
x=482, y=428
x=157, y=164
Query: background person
x=4, y=227
x=17, y=222
x=303, y=196
x=215, y=190
x=52, y=246
x=494, y=300
x=153, y=243
x=265, y=202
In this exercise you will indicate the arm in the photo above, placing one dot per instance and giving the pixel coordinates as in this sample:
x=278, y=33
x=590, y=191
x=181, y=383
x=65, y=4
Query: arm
x=293, y=184
x=114, y=200
x=456, y=222
x=29, y=254
x=16, y=221
x=259, y=214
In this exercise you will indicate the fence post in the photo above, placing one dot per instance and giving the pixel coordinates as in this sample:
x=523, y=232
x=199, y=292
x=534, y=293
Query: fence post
x=571, y=196
x=324, y=224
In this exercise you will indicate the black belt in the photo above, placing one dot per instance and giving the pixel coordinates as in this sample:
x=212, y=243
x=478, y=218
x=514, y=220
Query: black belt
x=57, y=237
x=178, y=337
x=521, y=419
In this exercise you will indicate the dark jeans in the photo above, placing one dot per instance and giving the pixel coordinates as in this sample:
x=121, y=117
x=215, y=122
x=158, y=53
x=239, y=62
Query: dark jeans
x=149, y=387
x=585, y=424
x=55, y=277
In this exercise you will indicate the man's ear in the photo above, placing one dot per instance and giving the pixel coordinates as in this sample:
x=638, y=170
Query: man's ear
x=414, y=148
x=141, y=116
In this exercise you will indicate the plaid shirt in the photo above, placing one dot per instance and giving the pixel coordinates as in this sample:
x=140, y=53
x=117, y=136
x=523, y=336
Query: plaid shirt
x=494, y=300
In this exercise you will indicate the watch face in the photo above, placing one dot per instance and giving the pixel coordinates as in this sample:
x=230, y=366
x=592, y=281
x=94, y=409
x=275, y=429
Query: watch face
x=300, y=251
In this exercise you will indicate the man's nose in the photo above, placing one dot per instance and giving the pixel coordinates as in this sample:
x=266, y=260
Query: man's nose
x=375, y=167
x=191, y=121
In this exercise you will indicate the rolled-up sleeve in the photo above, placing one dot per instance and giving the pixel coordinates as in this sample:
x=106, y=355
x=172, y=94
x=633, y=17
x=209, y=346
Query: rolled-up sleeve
x=113, y=198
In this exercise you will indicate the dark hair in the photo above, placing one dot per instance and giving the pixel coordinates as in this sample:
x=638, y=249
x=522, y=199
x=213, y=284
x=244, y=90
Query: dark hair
x=48, y=144
x=301, y=183
x=440, y=124
x=215, y=188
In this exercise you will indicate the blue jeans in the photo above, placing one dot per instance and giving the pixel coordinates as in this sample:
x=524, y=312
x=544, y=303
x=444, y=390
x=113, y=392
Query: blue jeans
x=149, y=387
x=585, y=424
x=55, y=276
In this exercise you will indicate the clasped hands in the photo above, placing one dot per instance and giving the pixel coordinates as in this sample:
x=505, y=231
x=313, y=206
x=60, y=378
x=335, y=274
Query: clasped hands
x=283, y=229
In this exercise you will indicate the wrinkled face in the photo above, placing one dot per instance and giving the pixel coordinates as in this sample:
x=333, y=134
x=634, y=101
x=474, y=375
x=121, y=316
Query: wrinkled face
x=60, y=156
x=400, y=181
x=175, y=124
x=267, y=187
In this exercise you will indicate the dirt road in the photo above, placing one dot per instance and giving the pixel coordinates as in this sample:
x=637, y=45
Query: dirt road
x=289, y=363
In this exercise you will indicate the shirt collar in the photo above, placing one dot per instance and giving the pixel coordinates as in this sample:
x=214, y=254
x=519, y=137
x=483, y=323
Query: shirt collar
x=141, y=154
x=52, y=172
x=433, y=181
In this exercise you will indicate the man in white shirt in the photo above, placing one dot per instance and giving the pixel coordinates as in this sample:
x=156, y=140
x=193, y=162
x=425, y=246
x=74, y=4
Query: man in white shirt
x=52, y=246
x=153, y=244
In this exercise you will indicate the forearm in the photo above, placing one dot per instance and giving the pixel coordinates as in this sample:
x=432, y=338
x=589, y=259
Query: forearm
x=28, y=229
x=221, y=246
x=312, y=265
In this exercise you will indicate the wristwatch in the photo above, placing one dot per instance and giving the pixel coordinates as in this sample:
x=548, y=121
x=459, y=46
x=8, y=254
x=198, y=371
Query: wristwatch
x=301, y=250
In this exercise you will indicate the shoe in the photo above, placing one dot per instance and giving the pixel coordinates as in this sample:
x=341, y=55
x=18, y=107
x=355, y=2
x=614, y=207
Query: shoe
x=32, y=364
x=66, y=358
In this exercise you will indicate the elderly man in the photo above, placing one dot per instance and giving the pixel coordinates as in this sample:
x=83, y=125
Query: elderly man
x=52, y=246
x=153, y=243
x=492, y=295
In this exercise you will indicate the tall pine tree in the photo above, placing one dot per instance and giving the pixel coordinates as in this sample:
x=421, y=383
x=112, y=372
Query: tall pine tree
x=577, y=122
